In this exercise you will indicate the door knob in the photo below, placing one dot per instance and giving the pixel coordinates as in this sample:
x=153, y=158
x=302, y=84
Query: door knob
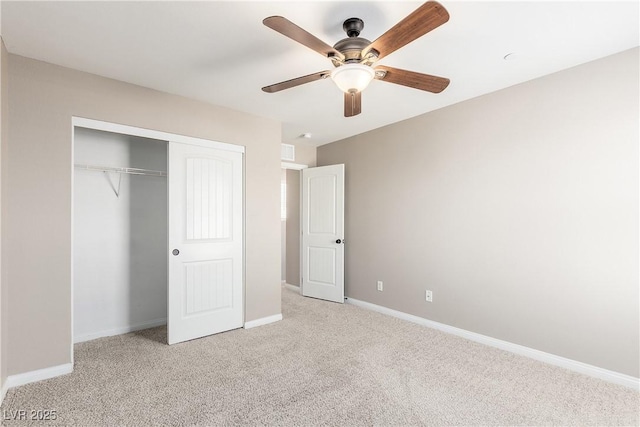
x=339, y=241
x=175, y=252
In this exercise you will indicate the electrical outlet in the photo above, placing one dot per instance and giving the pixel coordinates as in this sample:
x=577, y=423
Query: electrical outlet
x=428, y=296
x=380, y=285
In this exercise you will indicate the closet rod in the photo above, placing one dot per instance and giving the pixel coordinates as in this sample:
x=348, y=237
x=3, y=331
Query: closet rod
x=131, y=171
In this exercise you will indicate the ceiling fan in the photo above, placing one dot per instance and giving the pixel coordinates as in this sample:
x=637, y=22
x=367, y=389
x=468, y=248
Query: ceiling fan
x=355, y=56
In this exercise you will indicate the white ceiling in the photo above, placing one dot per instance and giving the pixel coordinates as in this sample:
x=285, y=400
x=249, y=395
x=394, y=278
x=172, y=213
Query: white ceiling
x=220, y=52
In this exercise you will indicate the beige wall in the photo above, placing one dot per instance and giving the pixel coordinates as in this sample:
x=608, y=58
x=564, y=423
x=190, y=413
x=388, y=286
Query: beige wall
x=293, y=227
x=518, y=209
x=4, y=99
x=37, y=222
x=305, y=153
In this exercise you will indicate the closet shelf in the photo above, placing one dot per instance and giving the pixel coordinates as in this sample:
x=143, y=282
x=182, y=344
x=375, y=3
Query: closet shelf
x=131, y=171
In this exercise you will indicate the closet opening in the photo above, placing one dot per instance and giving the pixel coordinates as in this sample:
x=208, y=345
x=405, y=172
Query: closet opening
x=120, y=233
x=157, y=233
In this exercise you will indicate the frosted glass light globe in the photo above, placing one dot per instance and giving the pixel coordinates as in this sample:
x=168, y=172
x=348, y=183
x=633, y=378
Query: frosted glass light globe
x=352, y=77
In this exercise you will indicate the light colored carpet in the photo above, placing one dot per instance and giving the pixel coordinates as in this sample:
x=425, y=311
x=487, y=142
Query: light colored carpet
x=325, y=363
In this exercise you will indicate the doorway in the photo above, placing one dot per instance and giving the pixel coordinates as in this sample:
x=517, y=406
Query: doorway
x=312, y=209
x=120, y=234
x=290, y=213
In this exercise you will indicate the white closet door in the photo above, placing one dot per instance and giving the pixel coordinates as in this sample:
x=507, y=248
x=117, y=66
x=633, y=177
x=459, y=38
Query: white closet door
x=205, y=242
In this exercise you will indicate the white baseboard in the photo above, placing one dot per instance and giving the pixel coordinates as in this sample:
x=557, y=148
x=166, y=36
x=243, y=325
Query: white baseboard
x=37, y=375
x=563, y=362
x=292, y=287
x=120, y=331
x=3, y=392
x=262, y=321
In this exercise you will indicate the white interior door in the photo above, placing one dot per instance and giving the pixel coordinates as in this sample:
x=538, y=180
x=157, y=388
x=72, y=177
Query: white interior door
x=205, y=242
x=323, y=232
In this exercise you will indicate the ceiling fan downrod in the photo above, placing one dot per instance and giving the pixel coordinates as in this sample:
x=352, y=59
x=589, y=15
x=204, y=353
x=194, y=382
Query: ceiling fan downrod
x=353, y=26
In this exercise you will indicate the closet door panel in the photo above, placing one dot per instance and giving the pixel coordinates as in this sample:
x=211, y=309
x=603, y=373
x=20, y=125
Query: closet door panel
x=205, y=241
x=206, y=286
x=209, y=212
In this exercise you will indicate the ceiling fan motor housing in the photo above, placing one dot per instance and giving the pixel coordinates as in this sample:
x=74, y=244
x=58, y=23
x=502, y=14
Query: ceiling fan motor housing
x=352, y=46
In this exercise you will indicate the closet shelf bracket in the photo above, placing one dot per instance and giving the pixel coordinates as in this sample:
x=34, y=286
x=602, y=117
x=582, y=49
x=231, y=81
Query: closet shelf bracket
x=108, y=169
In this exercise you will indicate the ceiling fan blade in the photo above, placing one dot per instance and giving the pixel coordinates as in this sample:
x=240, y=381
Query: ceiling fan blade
x=291, y=30
x=422, y=20
x=296, y=82
x=412, y=79
x=352, y=103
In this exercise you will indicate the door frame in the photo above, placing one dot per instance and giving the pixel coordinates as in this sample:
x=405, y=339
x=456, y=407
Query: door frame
x=82, y=122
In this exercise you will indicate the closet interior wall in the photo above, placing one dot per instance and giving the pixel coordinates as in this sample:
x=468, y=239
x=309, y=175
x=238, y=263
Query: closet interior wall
x=120, y=235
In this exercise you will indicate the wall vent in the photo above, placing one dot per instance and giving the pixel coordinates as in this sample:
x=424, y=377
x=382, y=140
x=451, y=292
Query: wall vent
x=288, y=153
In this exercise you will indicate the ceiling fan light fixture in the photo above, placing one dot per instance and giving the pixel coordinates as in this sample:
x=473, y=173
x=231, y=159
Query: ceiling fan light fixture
x=352, y=77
